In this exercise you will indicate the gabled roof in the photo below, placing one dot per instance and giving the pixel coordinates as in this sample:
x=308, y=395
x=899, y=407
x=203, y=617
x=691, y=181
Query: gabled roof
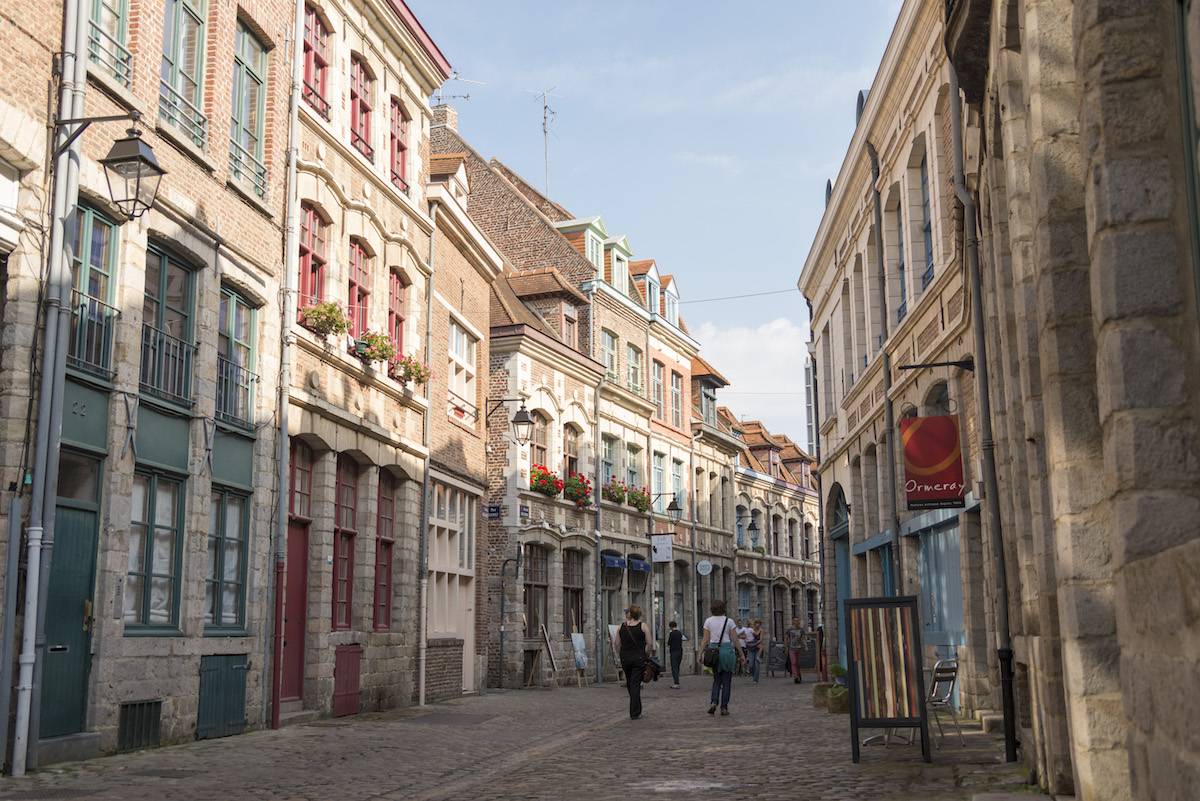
x=507, y=308
x=582, y=222
x=445, y=163
x=638, y=267
x=702, y=369
x=545, y=281
x=621, y=242
x=555, y=212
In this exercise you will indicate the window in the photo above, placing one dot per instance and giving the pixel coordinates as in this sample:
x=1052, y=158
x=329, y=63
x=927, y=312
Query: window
x=902, y=309
x=570, y=326
x=633, y=465
x=608, y=458
x=594, y=250
x=926, y=224
x=314, y=237
x=652, y=295
x=608, y=349
x=167, y=351
x=249, y=98
x=677, y=482
x=634, y=357
x=637, y=583
x=539, y=443
x=776, y=525
x=791, y=538
x=807, y=541
x=660, y=482
x=300, y=466
x=708, y=405
x=385, y=539
x=612, y=574
x=397, y=303
x=573, y=572
x=537, y=575
x=570, y=451
x=235, y=359
x=452, y=528
x=740, y=524
x=181, y=75
x=93, y=320
x=358, y=293
x=225, y=579
x=361, y=85
x=155, y=547
x=462, y=374
x=398, y=145
x=107, y=31
x=676, y=400
x=672, y=307
x=316, y=61
x=345, y=529
x=744, y=601
x=656, y=386
x=620, y=273
x=811, y=603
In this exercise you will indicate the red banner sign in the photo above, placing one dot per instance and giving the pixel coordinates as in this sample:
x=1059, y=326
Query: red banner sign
x=933, y=471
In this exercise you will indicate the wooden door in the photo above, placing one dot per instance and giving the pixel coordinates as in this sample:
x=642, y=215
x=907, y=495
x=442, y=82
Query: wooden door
x=221, y=708
x=295, y=611
x=347, y=674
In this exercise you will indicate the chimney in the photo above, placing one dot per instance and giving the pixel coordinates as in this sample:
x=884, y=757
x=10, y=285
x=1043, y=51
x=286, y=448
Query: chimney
x=446, y=115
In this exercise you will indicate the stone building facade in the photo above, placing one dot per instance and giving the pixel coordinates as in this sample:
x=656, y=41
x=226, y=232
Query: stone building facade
x=159, y=581
x=1085, y=179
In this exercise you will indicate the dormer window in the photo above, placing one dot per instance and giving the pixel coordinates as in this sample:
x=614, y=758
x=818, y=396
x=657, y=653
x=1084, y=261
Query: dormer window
x=620, y=273
x=570, y=331
x=652, y=295
x=672, y=304
x=594, y=250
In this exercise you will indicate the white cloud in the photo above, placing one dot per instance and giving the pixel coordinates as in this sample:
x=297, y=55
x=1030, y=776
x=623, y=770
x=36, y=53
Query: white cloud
x=765, y=368
x=725, y=162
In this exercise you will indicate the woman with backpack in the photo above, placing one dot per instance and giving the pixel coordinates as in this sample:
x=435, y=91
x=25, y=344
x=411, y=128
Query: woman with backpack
x=721, y=653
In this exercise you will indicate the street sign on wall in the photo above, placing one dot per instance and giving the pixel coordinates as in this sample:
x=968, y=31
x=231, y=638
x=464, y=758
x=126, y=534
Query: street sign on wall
x=933, y=470
x=660, y=545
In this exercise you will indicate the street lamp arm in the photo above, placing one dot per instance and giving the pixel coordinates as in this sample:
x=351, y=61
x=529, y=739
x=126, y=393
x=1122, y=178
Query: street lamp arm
x=84, y=122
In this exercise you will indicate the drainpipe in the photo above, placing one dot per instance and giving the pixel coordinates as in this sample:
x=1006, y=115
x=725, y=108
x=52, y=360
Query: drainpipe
x=66, y=188
x=696, y=622
x=822, y=659
x=987, y=444
x=889, y=412
x=291, y=267
x=599, y=490
x=423, y=555
x=11, y=571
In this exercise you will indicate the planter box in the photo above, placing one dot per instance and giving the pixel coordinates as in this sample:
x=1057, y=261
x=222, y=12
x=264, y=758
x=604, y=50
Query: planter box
x=821, y=695
x=838, y=704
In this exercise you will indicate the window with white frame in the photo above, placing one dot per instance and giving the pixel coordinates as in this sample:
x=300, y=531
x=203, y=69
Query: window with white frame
x=656, y=385
x=608, y=458
x=620, y=273
x=677, y=482
x=660, y=482
x=708, y=404
x=461, y=371
x=452, y=525
x=676, y=400
x=608, y=349
x=672, y=308
x=594, y=250
x=652, y=295
x=633, y=465
x=634, y=368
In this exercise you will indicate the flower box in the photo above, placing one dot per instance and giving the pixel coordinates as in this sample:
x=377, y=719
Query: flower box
x=324, y=318
x=578, y=489
x=615, y=490
x=638, y=498
x=545, y=481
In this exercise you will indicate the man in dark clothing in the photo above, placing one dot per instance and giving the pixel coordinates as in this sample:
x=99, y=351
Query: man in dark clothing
x=675, y=646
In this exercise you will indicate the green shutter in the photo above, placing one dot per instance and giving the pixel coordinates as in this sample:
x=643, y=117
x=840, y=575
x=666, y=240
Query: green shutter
x=222, y=705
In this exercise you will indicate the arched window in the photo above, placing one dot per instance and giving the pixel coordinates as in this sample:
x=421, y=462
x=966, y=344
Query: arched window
x=361, y=86
x=537, y=577
x=397, y=304
x=741, y=525
x=316, y=61
x=398, y=145
x=314, y=239
x=358, y=294
x=570, y=450
x=926, y=224
x=776, y=528
x=345, y=529
x=539, y=443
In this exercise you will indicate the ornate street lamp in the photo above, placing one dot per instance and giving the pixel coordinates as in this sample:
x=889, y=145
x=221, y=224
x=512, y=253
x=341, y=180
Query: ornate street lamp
x=522, y=421
x=674, y=510
x=133, y=174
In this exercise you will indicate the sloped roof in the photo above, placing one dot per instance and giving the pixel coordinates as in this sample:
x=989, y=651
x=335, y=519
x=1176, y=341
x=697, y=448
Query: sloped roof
x=445, y=163
x=701, y=368
x=545, y=281
x=640, y=266
x=507, y=308
x=544, y=204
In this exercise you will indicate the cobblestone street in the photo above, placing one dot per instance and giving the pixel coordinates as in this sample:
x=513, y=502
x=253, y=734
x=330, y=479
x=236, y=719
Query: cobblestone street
x=538, y=744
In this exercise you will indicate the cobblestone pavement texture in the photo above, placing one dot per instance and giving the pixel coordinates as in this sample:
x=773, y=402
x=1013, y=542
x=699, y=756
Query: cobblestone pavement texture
x=566, y=743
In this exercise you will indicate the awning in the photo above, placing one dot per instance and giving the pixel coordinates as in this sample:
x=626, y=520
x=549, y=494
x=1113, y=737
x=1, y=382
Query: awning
x=608, y=560
x=637, y=563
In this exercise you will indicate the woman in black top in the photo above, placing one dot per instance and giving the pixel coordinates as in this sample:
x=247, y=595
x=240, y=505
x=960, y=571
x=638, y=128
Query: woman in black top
x=633, y=643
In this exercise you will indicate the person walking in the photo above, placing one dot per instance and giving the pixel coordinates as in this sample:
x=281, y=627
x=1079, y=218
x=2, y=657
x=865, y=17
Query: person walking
x=797, y=637
x=633, y=643
x=675, y=647
x=755, y=640
x=743, y=632
x=722, y=653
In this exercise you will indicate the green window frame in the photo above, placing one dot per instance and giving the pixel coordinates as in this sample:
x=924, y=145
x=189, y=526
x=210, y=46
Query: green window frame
x=108, y=38
x=155, y=541
x=181, y=77
x=235, y=358
x=94, y=249
x=248, y=110
x=167, y=320
x=225, y=566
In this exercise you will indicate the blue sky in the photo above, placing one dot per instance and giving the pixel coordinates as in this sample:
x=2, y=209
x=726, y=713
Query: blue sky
x=704, y=131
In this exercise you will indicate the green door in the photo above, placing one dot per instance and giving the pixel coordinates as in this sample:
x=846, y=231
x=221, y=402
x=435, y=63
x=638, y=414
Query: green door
x=69, y=599
x=222, y=705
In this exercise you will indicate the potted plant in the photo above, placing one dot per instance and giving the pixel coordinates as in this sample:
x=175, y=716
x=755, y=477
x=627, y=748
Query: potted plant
x=373, y=346
x=638, y=498
x=615, y=490
x=578, y=489
x=838, y=701
x=325, y=318
x=838, y=672
x=544, y=480
x=409, y=368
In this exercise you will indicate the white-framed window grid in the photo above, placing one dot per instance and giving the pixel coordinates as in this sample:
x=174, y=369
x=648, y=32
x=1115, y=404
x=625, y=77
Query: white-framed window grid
x=461, y=369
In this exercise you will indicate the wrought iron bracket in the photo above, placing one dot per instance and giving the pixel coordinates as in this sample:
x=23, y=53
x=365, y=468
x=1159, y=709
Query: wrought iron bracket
x=962, y=364
x=82, y=124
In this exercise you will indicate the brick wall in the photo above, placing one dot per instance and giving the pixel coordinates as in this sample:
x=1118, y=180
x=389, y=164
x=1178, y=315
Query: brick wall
x=443, y=669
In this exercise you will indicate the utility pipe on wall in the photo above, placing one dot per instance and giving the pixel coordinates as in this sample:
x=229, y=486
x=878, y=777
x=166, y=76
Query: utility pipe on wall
x=423, y=542
x=65, y=189
x=991, y=493
x=599, y=489
x=291, y=258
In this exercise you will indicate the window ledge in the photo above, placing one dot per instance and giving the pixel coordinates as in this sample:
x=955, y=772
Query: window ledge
x=113, y=88
x=249, y=196
x=151, y=631
x=217, y=631
x=176, y=137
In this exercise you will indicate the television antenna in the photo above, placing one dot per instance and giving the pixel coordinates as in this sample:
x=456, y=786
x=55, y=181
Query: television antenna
x=548, y=116
x=440, y=96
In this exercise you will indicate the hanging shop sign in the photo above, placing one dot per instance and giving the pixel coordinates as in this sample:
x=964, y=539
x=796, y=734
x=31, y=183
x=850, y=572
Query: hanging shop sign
x=933, y=470
x=660, y=547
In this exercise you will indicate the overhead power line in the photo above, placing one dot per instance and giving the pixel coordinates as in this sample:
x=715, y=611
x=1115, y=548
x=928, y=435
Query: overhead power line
x=739, y=297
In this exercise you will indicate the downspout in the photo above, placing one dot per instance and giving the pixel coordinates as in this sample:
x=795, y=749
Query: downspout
x=423, y=547
x=889, y=411
x=11, y=571
x=696, y=622
x=291, y=267
x=600, y=639
x=66, y=189
x=987, y=444
x=822, y=659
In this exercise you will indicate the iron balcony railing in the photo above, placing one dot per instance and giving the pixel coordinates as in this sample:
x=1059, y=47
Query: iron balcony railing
x=167, y=365
x=314, y=99
x=93, y=323
x=110, y=54
x=901, y=310
x=399, y=182
x=362, y=145
x=235, y=385
x=927, y=276
x=177, y=111
x=246, y=167
x=461, y=408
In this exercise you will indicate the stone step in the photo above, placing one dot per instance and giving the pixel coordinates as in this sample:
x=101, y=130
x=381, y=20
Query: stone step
x=992, y=722
x=296, y=717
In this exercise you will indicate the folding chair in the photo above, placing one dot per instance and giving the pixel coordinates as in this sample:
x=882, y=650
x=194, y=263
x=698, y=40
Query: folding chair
x=941, y=694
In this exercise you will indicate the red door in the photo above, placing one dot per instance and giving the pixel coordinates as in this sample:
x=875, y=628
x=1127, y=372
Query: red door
x=295, y=610
x=347, y=671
